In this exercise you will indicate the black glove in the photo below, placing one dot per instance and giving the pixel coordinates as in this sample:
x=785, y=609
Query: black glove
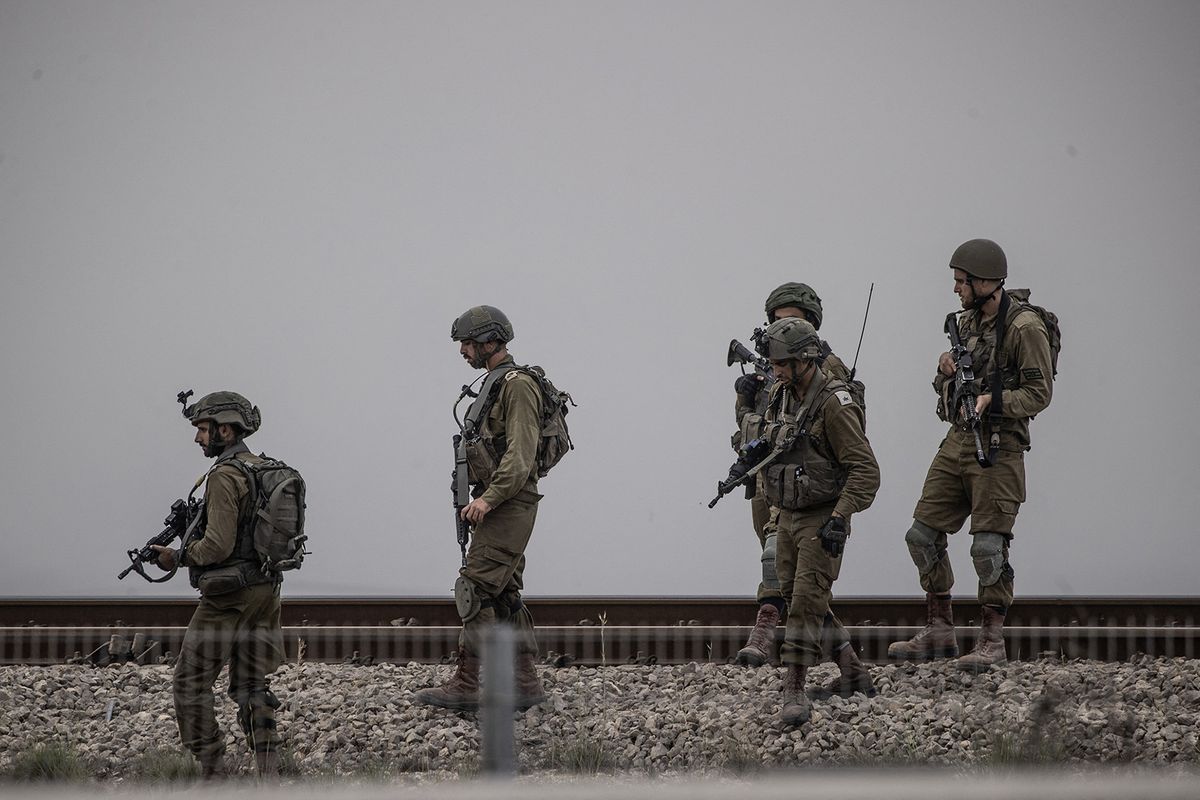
x=748, y=386
x=833, y=535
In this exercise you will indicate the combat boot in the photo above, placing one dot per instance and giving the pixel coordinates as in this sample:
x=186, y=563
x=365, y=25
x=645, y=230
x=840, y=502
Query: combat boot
x=854, y=677
x=760, y=647
x=461, y=692
x=936, y=639
x=989, y=647
x=529, y=685
x=213, y=767
x=796, y=709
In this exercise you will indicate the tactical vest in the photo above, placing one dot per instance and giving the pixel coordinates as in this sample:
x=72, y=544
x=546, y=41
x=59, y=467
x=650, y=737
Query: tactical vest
x=485, y=447
x=243, y=566
x=984, y=354
x=805, y=474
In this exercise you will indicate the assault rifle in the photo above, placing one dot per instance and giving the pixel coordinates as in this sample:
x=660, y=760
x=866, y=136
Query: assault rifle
x=742, y=355
x=965, y=393
x=180, y=522
x=462, y=494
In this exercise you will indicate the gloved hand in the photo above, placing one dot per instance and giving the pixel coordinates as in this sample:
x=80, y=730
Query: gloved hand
x=833, y=535
x=748, y=387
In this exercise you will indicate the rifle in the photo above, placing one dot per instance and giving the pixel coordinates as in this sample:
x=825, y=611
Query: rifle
x=741, y=354
x=180, y=523
x=964, y=389
x=462, y=494
x=752, y=458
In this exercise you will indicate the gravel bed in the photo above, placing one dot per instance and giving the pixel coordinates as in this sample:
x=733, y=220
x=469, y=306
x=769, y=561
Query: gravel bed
x=343, y=719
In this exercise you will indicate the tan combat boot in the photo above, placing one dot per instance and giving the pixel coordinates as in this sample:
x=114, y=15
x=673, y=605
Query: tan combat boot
x=529, y=685
x=854, y=677
x=796, y=708
x=760, y=647
x=989, y=647
x=935, y=640
x=461, y=692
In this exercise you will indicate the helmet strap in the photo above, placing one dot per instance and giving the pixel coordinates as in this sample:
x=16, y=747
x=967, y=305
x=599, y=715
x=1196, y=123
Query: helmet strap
x=978, y=302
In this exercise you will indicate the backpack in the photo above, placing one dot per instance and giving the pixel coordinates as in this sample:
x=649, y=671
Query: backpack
x=556, y=439
x=1049, y=319
x=276, y=525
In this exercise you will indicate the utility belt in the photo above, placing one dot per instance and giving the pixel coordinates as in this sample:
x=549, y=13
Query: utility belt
x=221, y=579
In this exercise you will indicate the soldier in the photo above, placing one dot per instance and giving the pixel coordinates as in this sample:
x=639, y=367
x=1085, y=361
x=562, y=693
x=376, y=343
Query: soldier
x=504, y=475
x=237, y=620
x=791, y=300
x=820, y=472
x=957, y=486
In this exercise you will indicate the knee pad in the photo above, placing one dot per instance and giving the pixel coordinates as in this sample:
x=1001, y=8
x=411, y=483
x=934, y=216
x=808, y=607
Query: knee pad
x=467, y=599
x=987, y=551
x=924, y=547
x=770, y=577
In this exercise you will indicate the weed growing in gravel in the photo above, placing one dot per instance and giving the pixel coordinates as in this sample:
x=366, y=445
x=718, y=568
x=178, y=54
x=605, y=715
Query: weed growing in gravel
x=581, y=756
x=50, y=761
x=166, y=765
x=738, y=757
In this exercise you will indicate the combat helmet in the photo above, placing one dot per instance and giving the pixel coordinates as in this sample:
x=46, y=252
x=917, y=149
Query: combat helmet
x=790, y=338
x=225, y=408
x=981, y=258
x=800, y=295
x=482, y=324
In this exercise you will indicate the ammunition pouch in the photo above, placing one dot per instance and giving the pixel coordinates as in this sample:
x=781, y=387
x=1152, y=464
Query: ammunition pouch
x=481, y=461
x=798, y=486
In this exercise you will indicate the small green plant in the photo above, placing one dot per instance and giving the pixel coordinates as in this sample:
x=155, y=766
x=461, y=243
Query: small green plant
x=166, y=765
x=581, y=756
x=51, y=761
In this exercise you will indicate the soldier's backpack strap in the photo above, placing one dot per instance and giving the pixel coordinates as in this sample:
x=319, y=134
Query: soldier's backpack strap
x=482, y=404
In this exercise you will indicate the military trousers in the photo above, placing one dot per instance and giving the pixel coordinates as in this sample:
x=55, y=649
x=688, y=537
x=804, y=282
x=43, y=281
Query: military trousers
x=496, y=567
x=806, y=575
x=760, y=514
x=957, y=487
x=240, y=628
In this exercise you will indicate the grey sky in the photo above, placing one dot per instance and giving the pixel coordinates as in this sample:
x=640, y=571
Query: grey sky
x=294, y=199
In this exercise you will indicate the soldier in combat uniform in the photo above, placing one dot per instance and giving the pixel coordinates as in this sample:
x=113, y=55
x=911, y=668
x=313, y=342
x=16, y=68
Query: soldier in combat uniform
x=957, y=486
x=788, y=301
x=237, y=620
x=504, y=475
x=820, y=472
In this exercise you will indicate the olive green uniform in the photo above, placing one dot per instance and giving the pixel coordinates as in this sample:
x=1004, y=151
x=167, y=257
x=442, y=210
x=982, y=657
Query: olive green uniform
x=760, y=512
x=496, y=556
x=956, y=486
x=237, y=621
x=837, y=456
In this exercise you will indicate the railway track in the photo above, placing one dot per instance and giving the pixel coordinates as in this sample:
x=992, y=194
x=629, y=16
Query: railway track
x=587, y=630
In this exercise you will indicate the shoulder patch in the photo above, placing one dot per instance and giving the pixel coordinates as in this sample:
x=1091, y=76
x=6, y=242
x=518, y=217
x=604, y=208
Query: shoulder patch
x=843, y=397
x=508, y=376
x=1032, y=374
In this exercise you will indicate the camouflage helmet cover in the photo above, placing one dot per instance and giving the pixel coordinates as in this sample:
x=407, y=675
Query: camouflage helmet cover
x=225, y=408
x=791, y=338
x=482, y=324
x=799, y=295
x=981, y=258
